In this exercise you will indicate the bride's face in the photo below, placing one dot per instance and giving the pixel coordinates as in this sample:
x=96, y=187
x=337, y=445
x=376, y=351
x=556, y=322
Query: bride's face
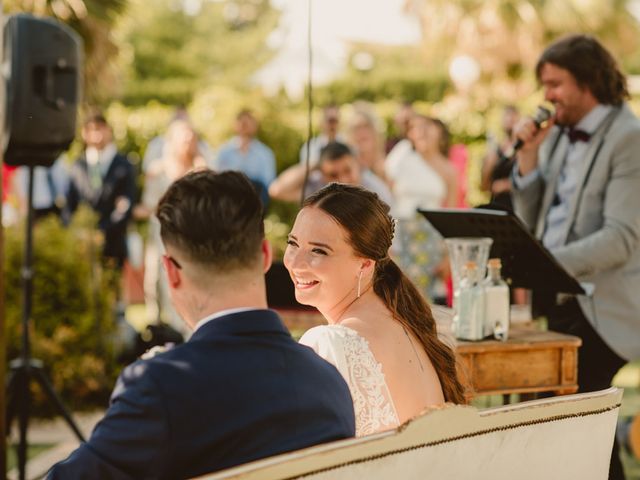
x=321, y=262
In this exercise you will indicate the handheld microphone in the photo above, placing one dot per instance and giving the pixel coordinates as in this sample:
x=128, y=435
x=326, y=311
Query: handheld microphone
x=542, y=115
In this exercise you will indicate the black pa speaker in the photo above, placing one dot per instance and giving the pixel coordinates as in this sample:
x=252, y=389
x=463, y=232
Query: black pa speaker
x=42, y=61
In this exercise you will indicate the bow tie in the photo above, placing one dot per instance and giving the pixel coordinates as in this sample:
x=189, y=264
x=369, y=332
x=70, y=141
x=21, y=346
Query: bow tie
x=577, y=135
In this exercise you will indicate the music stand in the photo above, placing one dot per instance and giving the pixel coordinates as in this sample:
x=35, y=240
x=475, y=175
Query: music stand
x=526, y=263
x=25, y=368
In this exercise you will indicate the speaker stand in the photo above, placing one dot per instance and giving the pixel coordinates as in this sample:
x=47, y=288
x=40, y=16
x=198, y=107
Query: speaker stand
x=24, y=369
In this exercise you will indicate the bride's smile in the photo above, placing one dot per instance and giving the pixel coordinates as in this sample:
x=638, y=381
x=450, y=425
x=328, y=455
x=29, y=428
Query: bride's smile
x=305, y=285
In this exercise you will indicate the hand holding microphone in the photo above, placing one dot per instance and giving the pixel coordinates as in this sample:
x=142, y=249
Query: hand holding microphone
x=542, y=115
x=529, y=133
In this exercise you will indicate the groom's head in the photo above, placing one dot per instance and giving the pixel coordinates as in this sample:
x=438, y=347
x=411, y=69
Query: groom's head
x=212, y=228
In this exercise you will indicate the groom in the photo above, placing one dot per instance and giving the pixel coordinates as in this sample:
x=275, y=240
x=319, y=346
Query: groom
x=241, y=388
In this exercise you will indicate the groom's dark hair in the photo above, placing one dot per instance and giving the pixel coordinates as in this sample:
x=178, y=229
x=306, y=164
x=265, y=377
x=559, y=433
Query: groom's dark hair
x=213, y=219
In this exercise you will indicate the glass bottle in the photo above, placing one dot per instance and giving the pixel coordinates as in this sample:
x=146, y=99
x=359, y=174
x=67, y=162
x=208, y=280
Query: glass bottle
x=496, y=302
x=469, y=319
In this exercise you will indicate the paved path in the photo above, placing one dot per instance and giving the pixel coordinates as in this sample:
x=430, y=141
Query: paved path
x=54, y=432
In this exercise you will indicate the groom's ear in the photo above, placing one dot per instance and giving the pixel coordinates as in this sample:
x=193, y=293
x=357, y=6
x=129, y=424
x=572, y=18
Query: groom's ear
x=267, y=255
x=173, y=272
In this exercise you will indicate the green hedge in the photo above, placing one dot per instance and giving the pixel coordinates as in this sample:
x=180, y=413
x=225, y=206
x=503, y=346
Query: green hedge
x=72, y=321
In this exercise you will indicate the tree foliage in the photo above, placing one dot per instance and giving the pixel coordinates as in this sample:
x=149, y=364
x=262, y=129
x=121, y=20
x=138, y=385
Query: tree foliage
x=172, y=53
x=506, y=37
x=392, y=74
x=93, y=20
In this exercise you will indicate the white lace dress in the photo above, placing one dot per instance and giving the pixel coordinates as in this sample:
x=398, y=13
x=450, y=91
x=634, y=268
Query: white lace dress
x=351, y=355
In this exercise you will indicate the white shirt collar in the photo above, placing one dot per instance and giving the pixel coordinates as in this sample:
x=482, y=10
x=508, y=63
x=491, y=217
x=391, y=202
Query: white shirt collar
x=102, y=157
x=219, y=314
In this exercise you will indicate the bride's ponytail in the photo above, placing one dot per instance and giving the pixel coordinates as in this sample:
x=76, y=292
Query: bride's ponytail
x=411, y=310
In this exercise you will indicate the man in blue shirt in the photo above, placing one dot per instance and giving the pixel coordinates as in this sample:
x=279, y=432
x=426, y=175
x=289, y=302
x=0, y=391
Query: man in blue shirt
x=248, y=155
x=336, y=164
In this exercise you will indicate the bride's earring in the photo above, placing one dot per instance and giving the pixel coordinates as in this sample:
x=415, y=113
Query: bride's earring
x=359, y=281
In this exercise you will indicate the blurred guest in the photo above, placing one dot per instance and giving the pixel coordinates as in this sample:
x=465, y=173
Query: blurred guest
x=155, y=147
x=246, y=154
x=365, y=134
x=8, y=171
x=628, y=435
x=50, y=186
x=105, y=180
x=401, y=125
x=180, y=155
x=422, y=177
x=9, y=202
x=337, y=164
x=459, y=158
x=497, y=165
x=329, y=132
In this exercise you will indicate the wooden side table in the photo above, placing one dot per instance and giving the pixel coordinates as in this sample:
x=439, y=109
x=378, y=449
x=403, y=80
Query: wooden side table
x=530, y=361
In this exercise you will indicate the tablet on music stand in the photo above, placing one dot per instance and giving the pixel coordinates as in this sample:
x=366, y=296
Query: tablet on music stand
x=526, y=262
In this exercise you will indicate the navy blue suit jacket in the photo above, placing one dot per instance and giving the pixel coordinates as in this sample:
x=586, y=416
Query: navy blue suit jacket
x=240, y=389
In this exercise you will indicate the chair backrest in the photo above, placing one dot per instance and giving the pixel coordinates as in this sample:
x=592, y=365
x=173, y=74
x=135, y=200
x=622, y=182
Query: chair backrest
x=561, y=437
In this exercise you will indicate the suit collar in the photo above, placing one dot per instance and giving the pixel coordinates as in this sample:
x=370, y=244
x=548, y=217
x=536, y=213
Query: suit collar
x=593, y=120
x=220, y=314
x=248, y=321
x=604, y=117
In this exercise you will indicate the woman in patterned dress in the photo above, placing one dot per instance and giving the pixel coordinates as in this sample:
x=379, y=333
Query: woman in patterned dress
x=422, y=176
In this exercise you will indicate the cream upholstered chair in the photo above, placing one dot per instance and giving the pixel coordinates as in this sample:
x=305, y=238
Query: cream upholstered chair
x=567, y=437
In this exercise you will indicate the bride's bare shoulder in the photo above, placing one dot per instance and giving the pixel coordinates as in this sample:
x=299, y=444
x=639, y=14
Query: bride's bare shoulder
x=373, y=327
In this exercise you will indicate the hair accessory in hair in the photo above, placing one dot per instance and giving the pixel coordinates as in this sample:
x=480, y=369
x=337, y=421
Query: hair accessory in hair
x=383, y=261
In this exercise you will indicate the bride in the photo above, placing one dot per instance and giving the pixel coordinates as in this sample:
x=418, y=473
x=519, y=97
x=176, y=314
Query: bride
x=381, y=334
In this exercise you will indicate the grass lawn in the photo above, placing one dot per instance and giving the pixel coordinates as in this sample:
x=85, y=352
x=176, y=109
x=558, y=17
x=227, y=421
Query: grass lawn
x=631, y=466
x=629, y=379
x=32, y=451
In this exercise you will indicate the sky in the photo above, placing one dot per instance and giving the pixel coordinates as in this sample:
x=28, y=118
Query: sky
x=334, y=22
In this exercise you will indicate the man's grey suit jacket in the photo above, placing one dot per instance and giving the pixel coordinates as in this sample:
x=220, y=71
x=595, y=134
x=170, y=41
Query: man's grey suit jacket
x=602, y=232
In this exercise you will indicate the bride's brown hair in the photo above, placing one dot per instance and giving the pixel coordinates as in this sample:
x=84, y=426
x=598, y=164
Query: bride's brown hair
x=370, y=228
